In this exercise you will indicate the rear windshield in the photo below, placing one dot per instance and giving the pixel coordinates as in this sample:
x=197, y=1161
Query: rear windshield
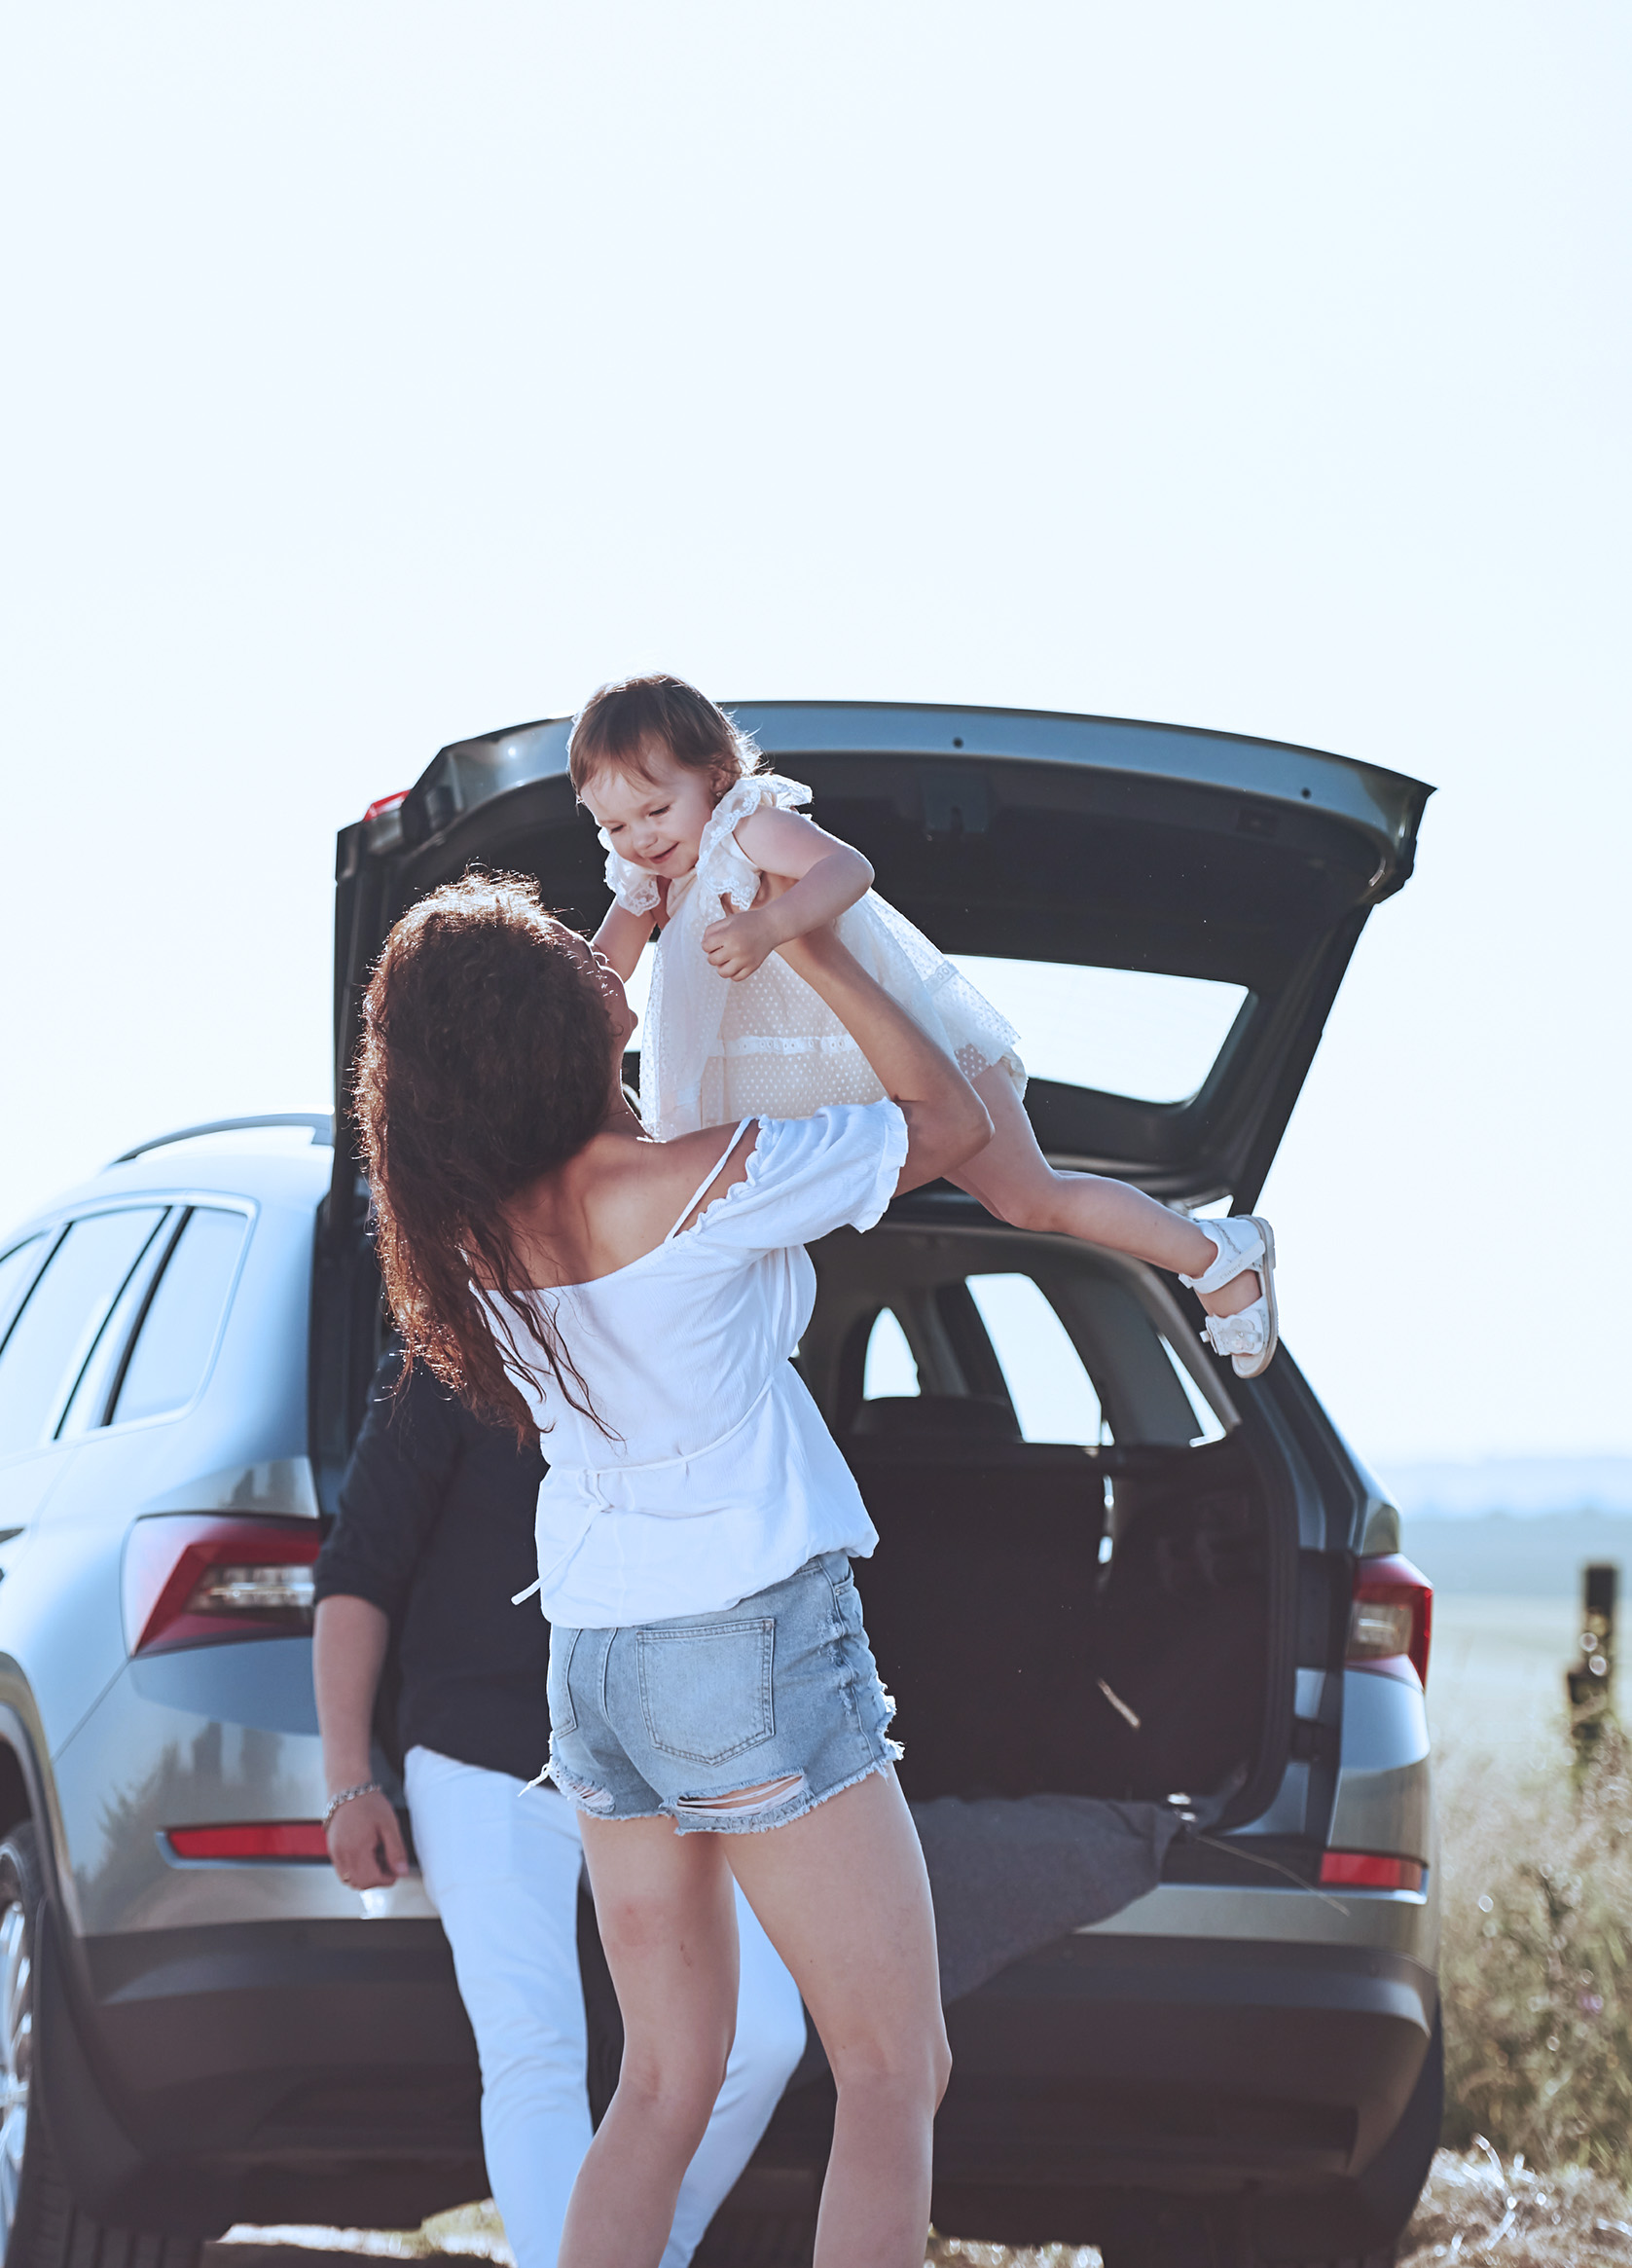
x=1120, y=1030
x=1123, y=1031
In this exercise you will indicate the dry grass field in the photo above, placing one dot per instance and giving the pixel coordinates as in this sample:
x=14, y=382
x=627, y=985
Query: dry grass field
x=1536, y=1877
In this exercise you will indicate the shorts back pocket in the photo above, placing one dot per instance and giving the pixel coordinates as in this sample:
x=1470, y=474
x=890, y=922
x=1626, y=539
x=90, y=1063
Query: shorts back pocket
x=706, y=1693
x=557, y=1680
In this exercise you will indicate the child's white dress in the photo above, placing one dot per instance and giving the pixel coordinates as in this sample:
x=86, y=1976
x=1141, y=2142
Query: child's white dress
x=714, y=1049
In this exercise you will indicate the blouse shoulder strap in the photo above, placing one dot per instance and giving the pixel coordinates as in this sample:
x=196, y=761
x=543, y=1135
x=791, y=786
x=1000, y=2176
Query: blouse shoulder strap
x=709, y=1179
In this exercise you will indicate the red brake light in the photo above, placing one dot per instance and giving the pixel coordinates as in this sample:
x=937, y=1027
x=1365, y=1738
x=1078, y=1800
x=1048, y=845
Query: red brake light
x=384, y=803
x=1363, y=1869
x=1390, y=1621
x=272, y=1839
x=198, y=1579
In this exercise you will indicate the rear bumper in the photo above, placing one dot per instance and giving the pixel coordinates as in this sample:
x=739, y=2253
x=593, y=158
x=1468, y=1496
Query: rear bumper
x=1108, y=2080
x=1159, y=2060
x=1106, y=2077
x=268, y=2072
x=325, y=2071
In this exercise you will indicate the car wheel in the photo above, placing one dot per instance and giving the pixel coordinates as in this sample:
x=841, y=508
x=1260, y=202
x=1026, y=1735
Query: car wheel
x=40, y=2224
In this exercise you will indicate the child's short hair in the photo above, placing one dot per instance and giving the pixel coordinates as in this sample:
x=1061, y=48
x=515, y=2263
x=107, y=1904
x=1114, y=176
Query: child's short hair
x=619, y=721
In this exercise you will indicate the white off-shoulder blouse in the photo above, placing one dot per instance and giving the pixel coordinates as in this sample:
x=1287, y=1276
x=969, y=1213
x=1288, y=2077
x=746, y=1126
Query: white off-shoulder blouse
x=719, y=1477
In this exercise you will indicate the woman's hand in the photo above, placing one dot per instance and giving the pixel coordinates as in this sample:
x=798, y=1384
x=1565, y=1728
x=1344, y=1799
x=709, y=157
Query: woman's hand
x=739, y=944
x=809, y=875
x=365, y=1844
x=946, y=1120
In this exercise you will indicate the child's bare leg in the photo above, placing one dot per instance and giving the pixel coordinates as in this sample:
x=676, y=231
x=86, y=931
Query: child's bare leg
x=1012, y=1179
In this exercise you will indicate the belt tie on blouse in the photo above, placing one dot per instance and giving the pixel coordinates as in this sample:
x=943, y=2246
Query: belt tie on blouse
x=588, y=1478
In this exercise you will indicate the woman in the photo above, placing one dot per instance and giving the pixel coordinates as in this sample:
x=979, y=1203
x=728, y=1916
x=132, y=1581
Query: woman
x=714, y=1706
x=434, y=1536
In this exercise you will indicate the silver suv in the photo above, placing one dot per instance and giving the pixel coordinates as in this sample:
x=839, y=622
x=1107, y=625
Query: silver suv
x=1107, y=1568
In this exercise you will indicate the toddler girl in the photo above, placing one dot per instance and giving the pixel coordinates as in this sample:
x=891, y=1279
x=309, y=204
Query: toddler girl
x=716, y=855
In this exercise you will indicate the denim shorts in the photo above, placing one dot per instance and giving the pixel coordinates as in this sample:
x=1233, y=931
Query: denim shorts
x=777, y=1696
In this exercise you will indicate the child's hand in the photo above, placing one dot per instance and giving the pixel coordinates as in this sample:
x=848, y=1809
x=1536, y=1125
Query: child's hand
x=738, y=945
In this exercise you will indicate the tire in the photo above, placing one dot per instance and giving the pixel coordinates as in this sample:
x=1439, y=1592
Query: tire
x=40, y=2224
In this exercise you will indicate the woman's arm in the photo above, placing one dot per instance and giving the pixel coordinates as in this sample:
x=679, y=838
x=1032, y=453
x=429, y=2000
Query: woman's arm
x=825, y=877
x=946, y=1120
x=348, y=1651
x=623, y=936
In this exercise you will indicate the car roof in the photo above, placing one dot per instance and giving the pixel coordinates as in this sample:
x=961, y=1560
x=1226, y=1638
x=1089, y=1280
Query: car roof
x=178, y=1171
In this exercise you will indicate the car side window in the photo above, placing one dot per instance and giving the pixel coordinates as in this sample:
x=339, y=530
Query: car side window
x=64, y=1318
x=17, y=1274
x=889, y=1369
x=89, y=1405
x=1054, y=1398
x=178, y=1333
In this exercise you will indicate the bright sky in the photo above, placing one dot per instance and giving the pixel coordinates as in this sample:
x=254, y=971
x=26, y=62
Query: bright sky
x=382, y=373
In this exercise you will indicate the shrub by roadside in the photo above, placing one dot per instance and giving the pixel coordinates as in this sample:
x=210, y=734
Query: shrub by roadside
x=1537, y=1886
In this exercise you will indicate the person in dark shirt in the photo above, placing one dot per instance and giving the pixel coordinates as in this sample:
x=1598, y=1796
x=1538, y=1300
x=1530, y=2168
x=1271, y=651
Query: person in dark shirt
x=433, y=1542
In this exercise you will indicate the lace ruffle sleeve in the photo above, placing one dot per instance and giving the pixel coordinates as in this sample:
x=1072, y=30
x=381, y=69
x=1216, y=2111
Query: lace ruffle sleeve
x=725, y=874
x=634, y=889
x=807, y=1176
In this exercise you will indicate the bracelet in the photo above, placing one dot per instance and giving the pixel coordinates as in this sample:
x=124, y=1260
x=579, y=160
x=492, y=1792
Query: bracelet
x=364, y=1787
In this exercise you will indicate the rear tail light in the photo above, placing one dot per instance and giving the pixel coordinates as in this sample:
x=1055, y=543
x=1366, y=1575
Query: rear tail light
x=270, y=1839
x=200, y=1579
x=1364, y=1870
x=382, y=804
x=1392, y=1619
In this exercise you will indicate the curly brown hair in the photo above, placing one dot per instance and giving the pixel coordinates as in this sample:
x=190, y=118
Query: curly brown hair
x=484, y=1062
x=619, y=723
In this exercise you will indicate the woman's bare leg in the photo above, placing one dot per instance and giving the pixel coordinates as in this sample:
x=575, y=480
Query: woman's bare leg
x=668, y=1923
x=844, y=1898
x=1012, y=1179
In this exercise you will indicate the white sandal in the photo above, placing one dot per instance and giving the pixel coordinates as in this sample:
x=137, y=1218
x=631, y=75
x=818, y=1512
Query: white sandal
x=1249, y=1338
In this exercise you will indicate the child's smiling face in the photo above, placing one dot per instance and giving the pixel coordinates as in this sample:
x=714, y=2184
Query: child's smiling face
x=654, y=818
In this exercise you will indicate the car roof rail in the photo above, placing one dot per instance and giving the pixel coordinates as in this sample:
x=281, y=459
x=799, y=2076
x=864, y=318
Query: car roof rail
x=320, y=1122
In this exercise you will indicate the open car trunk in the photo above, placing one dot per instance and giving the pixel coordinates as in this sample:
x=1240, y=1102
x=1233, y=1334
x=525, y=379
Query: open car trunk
x=1137, y=880
x=1076, y=1575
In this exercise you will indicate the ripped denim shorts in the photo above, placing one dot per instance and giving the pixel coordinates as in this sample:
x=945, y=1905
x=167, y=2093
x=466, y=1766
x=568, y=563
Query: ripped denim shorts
x=728, y=1723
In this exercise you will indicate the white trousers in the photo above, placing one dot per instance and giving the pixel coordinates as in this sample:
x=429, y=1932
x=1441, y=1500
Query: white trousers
x=501, y=1864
